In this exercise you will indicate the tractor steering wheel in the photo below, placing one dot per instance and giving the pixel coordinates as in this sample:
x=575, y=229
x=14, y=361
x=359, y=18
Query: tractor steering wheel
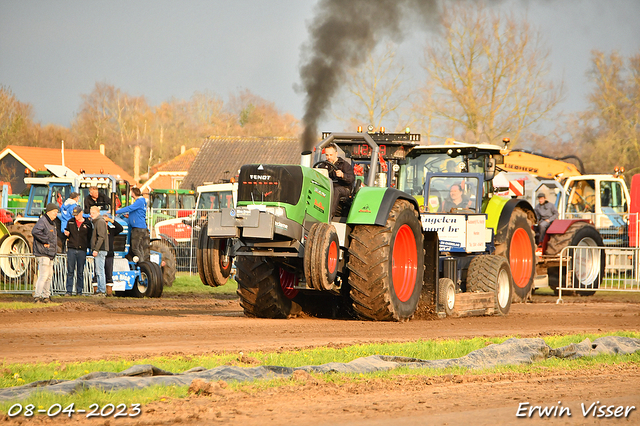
x=331, y=166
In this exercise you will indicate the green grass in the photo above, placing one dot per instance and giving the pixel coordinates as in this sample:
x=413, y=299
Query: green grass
x=19, y=374
x=191, y=284
x=15, y=306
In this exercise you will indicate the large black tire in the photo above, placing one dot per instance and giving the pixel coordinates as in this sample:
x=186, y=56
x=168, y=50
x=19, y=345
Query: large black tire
x=491, y=273
x=168, y=266
x=146, y=286
x=219, y=267
x=260, y=290
x=321, y=256
x=447, y=295
x=201, y=253
x=520, y=251
x=592, y=263
x=386, y=266
x=159, y=288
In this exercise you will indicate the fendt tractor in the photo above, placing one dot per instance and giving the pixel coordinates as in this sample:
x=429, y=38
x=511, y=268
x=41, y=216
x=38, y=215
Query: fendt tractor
x=391, y=239
x=139, y=279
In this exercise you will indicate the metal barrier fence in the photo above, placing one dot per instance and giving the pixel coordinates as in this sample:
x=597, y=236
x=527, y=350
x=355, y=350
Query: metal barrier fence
x=19, y=272
x=589, y=269
x=179, y=229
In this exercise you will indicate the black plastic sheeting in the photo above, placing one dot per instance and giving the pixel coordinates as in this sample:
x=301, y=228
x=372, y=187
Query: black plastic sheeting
x=511, y=352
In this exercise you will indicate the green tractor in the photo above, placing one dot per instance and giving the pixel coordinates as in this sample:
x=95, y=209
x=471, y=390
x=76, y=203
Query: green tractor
x=383, y=248
x=171, y=204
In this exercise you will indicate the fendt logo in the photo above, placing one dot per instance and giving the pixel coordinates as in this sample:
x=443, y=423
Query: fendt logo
x=260, y=177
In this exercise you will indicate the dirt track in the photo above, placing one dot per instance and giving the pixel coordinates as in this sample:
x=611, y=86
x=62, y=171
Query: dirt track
x=94, y=329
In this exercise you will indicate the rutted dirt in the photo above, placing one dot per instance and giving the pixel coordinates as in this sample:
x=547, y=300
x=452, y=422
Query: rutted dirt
x=82, y=329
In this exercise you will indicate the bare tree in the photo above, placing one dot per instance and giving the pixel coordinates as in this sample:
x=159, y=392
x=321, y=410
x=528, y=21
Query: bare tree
x=376, y=91
x=611, y=126
x=15, y=119
x=489, y=74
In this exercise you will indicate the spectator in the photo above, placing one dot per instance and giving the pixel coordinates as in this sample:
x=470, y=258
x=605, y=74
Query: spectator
x=96, y=198
x=546, y=214
x=66, y=211
x=45, y=242
x=457, y=199
x=341, y=173
x=78, y=232
x=99, y=247
x=138, y=223
x=113, y=229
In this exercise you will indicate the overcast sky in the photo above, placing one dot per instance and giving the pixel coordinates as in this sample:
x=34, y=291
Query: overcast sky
x=52, y=52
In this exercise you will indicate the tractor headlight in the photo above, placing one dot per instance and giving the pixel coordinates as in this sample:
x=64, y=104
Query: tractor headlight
x=135, y=259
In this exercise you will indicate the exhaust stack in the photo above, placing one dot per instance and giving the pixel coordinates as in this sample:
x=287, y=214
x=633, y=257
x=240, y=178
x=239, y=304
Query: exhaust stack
x=305, y=158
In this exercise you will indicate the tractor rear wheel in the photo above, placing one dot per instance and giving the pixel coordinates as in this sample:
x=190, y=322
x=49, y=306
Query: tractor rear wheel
x=168, y=267
x=519, y=249
x=386, y=266
x=588, y=265
x=491, y=273
x=265, y=289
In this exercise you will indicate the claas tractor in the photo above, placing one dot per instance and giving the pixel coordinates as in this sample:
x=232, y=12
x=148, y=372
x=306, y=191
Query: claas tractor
x=378, y=255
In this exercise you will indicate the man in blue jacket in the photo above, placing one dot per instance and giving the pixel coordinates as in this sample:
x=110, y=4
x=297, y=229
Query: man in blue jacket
x=138, y=223
x=45, y=243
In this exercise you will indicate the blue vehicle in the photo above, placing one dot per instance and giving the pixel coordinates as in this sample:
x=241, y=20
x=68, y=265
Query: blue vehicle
x=130, y=277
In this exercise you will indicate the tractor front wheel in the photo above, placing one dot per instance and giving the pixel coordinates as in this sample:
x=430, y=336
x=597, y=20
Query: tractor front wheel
x=386, y=266
x=490, y=273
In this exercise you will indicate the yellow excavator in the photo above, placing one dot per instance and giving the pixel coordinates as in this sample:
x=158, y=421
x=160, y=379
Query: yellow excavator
x=541, y=165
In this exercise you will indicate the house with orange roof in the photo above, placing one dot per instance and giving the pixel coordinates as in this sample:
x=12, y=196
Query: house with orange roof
x=16, y=161
x=170, y=174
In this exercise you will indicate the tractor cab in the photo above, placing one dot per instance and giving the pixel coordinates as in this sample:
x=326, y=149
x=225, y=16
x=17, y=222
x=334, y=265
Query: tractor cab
x=451, y=158
x=374, y=156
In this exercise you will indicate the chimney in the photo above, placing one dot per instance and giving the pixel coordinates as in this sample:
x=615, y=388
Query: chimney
x=182, y=149
x=102, y=148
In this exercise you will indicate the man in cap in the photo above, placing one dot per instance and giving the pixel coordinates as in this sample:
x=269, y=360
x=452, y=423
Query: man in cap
x=99, y=249
x=546, y=213
x=78, y=232
x=45, y=243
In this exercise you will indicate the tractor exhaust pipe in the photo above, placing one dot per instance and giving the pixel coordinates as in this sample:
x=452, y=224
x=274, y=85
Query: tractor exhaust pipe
x=305, y=158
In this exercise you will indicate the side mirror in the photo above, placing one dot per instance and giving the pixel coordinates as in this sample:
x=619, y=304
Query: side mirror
x=489, y=169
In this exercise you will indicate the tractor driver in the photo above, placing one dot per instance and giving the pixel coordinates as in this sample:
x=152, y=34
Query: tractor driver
x=96, y=198
x=457, y=199
x=341, y=174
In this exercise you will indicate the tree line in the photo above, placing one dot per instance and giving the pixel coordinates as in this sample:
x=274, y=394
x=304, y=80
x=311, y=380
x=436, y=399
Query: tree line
x=121, y=122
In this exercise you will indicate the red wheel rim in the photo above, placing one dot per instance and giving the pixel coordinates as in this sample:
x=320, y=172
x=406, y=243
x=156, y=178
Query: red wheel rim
x=332, y=257
x=405, y=263
x=287, y=281
x=521, y=257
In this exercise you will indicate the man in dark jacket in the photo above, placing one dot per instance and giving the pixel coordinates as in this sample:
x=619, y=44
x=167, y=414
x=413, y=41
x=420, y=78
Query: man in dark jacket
x=45, y=243
x=78, y=232
x=546, y=213
x=96, y=198
x=341, y=173
x=99, y=248
x=113, y=229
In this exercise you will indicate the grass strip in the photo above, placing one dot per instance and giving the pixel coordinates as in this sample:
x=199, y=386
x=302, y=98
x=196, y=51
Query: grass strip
x=20, y=374
x=84, y=399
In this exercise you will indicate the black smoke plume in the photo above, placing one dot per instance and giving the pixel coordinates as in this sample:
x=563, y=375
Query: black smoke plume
x=342, y=35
